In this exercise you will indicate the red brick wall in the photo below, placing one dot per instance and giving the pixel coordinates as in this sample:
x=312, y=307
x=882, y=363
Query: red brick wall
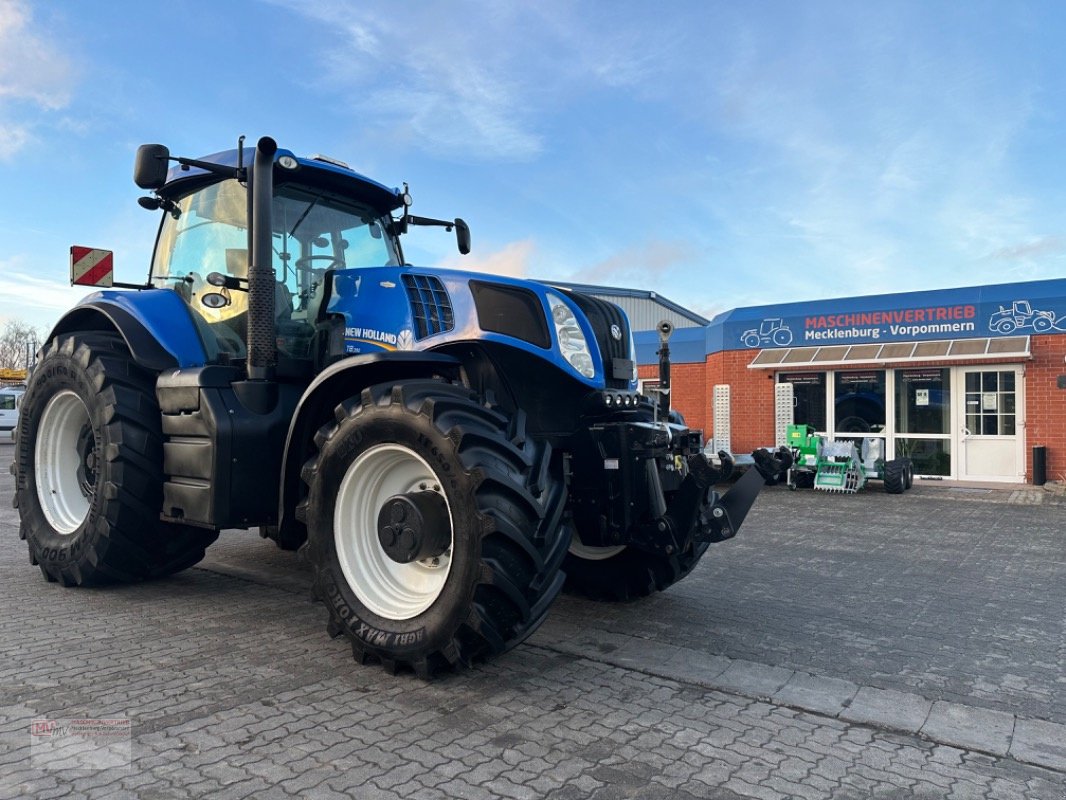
x=688, y=394
x=1045, y=405
x=752, y=398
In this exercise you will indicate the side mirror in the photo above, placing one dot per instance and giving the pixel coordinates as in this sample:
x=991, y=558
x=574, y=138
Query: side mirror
x=462, y=236
x=150, y=167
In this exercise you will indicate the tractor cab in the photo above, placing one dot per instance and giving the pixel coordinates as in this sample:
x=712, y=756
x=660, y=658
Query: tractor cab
x=202, y=251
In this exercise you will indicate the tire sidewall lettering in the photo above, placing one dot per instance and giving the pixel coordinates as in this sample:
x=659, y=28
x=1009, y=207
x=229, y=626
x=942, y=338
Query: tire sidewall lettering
x=394, y=424
x=375, y=637
x=58, y=371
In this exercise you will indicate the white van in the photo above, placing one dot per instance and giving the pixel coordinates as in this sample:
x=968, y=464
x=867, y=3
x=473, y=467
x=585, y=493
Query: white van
x=10, y=396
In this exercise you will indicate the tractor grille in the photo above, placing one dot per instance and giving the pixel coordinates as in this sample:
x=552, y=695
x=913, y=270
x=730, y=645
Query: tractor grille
x=615, y=352
x=430, y=305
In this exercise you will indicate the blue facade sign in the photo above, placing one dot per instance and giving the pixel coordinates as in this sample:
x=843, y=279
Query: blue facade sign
x=1014, y=309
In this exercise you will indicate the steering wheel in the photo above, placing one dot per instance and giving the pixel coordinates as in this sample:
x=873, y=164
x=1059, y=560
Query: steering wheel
x=305, y=261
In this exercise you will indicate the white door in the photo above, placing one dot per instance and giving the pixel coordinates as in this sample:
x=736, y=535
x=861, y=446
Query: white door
x=991, y=431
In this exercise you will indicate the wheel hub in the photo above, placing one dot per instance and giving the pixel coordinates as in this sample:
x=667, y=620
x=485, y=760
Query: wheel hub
x=86, y=461
x=414, y=526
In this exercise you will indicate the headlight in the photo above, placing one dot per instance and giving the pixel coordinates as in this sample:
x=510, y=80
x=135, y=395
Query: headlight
x=632, y=353
x=572, y=343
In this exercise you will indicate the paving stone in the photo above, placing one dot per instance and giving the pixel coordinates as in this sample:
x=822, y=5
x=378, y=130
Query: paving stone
x=970, y=727
x=816, y=693
x=693, y=666
x=752, y=679
x=1038, y=742
x=235, y=690
x=887, y=708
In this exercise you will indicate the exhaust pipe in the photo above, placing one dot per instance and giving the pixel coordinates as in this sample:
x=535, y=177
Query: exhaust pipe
x=262, y=343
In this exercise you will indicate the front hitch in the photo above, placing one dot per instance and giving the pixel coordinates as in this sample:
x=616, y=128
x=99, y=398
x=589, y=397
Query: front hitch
x=698, y=513
x=649, y=485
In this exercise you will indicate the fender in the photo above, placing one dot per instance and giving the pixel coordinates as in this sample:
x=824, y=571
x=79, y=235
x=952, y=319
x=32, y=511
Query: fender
x=155, y=324
x=338, y=382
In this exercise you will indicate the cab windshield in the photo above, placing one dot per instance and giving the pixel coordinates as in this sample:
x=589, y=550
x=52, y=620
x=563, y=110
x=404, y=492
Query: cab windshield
x=313, y=232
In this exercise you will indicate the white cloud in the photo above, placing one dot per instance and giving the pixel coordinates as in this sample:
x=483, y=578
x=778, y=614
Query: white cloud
x=13, y=137
x=32, y=299
x=477, y=80
x=513, y=260
x=892, y=163
x=426, y=76
x=643, y=265
x=36, y=77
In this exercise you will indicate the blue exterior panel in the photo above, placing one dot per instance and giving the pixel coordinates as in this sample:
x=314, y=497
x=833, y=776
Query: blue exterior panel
x=164, y=315
x=378, y=316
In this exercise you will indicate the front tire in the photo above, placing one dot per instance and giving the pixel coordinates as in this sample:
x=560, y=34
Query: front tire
x=89, y=467
x=481, y=572
x=623, y=573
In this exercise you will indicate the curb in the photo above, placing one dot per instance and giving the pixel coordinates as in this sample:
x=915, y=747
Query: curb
x=996, y=733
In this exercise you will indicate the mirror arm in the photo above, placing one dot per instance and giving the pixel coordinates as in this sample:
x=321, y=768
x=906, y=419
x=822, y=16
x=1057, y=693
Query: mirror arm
x=440, y=223
x=240, y=172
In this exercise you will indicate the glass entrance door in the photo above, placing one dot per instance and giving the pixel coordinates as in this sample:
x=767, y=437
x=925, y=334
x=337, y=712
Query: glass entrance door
x=990, y=434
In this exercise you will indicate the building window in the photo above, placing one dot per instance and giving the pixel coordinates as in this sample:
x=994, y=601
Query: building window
x=860, y=402
x=808, y=397
x=923, y=419
x=990, y=403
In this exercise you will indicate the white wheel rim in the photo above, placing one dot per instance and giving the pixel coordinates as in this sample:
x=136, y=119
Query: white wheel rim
x=389, y=589
x=56, y=462
x=589, y=553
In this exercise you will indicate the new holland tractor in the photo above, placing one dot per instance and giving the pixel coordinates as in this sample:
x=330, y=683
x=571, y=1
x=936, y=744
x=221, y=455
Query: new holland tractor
x=446, y=448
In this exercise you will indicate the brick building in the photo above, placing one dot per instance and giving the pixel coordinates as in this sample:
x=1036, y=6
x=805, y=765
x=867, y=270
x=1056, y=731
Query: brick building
x=964, y=381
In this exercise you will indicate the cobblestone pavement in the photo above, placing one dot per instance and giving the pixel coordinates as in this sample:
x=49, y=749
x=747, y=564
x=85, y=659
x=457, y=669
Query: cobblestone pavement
x=941, y=592
x=234, y=690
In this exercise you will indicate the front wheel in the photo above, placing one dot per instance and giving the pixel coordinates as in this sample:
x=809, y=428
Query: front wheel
x=434, y=526
x=622, y=573
x=89, y=469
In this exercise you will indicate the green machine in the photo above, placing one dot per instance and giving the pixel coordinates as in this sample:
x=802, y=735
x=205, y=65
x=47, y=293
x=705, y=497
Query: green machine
x=843, y=466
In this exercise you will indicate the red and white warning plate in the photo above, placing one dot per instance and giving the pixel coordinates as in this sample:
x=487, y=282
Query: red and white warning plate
x=91, y=267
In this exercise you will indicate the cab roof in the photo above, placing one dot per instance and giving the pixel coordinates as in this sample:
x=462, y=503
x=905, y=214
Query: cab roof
x=310, y=171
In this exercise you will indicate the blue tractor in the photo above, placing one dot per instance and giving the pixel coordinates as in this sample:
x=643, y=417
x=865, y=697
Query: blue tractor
x=447, y=449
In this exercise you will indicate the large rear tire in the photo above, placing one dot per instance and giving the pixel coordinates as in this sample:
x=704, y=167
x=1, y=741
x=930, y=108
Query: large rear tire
x=89, y=469
x=484, y=557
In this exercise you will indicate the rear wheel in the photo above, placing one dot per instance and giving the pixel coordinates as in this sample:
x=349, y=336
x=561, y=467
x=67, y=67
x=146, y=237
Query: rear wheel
x=434, y=526
x=895, y=476
x=89, y=469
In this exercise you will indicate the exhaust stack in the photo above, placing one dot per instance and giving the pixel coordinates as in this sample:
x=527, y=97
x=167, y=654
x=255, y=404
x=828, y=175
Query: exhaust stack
x=262, y=347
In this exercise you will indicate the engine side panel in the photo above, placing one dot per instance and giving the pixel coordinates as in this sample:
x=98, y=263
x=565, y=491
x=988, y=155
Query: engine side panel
x=383, y=312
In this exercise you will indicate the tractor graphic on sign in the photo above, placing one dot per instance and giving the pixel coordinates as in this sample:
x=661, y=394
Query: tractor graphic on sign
x=1020, y=315
x=771, y=331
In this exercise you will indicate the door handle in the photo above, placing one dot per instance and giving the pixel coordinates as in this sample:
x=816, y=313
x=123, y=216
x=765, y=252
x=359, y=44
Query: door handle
x=966, y=432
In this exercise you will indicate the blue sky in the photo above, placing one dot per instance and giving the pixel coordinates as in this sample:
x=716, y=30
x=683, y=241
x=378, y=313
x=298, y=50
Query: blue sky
x=723, y=154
